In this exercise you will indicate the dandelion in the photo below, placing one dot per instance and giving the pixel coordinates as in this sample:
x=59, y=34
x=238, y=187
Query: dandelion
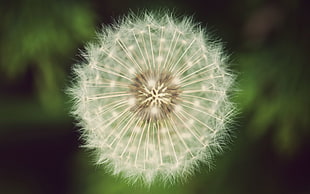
x=151, y=98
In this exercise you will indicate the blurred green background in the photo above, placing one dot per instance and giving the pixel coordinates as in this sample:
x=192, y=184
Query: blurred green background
x=269, y=45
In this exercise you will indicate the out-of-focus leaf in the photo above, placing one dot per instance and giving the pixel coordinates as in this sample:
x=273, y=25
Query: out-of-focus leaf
x=41, y=36
x=274, y=94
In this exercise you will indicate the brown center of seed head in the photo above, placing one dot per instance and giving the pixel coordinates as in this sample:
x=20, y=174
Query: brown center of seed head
x=155, y=95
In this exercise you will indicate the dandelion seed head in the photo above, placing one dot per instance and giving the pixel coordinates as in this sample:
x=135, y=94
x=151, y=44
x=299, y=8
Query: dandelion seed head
x=152, y=98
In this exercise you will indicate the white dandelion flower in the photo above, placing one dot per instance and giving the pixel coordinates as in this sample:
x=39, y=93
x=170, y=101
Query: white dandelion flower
x=151, y=98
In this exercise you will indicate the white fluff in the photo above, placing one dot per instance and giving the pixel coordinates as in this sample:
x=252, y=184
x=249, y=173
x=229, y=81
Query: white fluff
x=169, y=149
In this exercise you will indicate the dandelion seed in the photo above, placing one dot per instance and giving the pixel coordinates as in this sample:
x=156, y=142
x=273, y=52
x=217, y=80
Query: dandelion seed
x=152, y=98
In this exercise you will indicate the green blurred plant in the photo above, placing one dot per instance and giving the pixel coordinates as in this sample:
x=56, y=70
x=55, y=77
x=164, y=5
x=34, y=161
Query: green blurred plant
x=38, y=36
x=274, y=95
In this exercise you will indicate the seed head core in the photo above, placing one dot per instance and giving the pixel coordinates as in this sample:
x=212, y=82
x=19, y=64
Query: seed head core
x=156, y=94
